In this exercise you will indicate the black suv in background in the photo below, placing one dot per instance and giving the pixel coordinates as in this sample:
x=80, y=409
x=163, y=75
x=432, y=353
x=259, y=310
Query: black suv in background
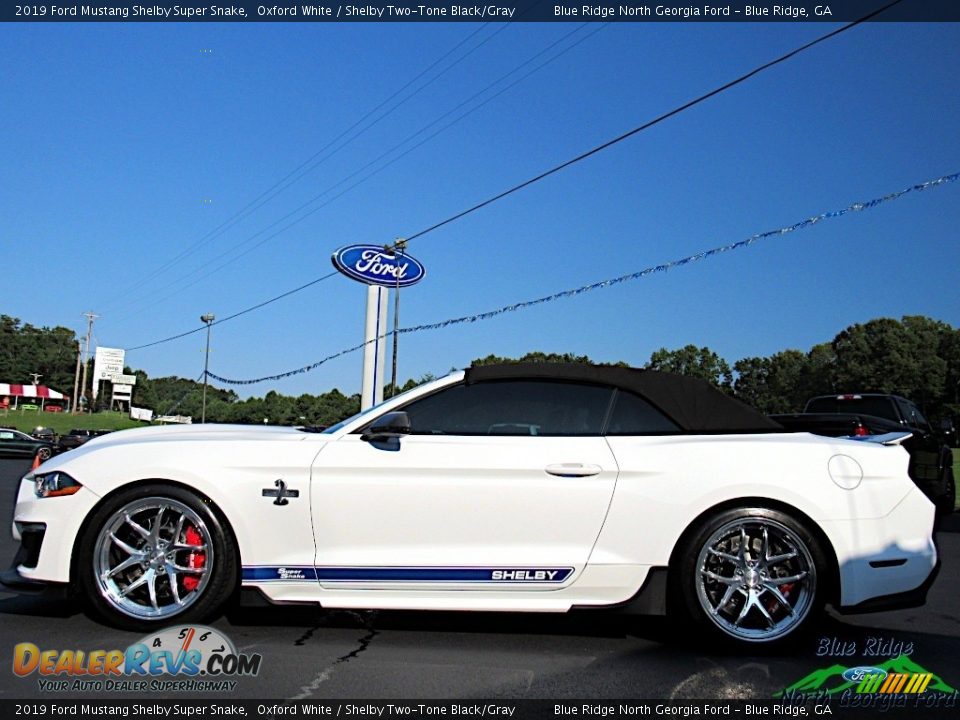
x=76, y=438
x=931, y=460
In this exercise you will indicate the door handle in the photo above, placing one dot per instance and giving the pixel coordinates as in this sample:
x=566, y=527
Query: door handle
x=573, y=469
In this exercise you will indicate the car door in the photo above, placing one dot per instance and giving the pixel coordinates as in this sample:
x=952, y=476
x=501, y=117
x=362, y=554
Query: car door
x=499, y=484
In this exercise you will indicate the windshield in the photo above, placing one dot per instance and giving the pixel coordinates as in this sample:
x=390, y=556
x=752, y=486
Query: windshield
x=334, y=428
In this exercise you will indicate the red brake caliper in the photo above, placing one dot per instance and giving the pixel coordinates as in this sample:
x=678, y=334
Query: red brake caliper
x=195, y=560
x=785, y=590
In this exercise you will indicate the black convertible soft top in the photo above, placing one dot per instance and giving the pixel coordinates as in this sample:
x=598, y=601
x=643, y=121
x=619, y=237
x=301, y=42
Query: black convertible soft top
x=693, y=404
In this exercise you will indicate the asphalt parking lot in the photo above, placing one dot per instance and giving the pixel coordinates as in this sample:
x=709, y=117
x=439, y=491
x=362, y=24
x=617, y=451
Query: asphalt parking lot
x=316, y=654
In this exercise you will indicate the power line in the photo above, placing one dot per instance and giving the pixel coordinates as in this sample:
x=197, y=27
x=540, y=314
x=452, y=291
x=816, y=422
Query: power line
x=589, y=153
x=182, y=397
x=236, y=314
x=616, y=140
x=380, y=157
x=809, y=222
x=242, y=213
x=309, y=165
x=651, y=123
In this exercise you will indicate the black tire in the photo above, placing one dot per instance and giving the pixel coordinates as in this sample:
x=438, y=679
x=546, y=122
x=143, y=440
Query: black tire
x=738, y=597
x=44, y=453
x=172, y=576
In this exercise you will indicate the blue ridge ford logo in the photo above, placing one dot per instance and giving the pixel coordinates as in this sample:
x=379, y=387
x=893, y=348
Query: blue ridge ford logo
x=374, y=265
x=857, y=674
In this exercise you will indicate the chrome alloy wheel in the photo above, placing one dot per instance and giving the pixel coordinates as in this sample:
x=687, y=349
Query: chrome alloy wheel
x=756, y=579
x=153, y=558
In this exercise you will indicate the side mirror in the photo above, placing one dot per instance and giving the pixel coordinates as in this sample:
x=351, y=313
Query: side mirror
x=391, y=425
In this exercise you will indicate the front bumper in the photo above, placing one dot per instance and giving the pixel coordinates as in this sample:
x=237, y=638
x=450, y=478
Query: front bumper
x=47, y=556
x=12, y=581
x=31, y=537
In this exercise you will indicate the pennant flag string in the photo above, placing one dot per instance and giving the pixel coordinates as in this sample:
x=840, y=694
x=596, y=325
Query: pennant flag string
x=855, y=207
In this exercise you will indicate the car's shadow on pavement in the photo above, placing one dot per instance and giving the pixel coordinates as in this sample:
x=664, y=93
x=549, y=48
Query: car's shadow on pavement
x=668, y=635
x=34, y=606
x=578, y=623
x=949, y=523
x=671, y=633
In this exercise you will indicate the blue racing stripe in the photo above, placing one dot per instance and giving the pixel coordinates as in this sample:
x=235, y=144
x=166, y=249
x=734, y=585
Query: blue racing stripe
x=288, y=573
x=503, y=574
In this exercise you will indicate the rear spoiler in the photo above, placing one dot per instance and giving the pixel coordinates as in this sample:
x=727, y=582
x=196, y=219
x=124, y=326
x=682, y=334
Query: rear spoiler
x=890, y=438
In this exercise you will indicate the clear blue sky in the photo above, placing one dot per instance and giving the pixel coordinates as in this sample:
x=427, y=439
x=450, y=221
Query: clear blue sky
x=125, y=144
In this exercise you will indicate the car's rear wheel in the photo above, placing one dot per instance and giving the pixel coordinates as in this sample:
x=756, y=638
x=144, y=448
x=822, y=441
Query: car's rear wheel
x=753, y=575
x=156, y=554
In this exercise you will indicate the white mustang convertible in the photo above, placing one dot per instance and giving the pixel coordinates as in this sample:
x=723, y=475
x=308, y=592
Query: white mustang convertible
x=514, y=487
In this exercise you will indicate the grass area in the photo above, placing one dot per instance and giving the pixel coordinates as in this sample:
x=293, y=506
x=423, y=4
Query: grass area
x=62, y=424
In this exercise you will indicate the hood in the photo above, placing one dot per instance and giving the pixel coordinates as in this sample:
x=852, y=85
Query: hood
x=194, y=455
x=187, y=433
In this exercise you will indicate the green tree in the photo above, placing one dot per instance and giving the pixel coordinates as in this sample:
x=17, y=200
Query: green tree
x=771, y=384
x=890, y=356
x=690, y=360
x=950, y=352
x=388, y=390
x=819, y=375
x=783, y=382
x=25, y=349
x=532, y=357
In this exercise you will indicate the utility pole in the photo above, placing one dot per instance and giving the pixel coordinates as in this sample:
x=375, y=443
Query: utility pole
x=208, y=319
x=86, y=355
x=76, y=379
x=398, y=247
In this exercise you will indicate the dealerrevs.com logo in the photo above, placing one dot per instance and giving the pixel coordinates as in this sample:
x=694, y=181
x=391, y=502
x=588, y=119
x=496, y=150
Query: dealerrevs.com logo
x=198, y=658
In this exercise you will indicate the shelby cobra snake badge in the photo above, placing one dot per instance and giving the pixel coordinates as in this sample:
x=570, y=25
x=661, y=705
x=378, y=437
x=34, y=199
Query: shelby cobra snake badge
x=281, y=493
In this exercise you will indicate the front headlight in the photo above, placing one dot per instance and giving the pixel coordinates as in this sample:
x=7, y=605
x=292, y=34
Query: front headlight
x=53, y=484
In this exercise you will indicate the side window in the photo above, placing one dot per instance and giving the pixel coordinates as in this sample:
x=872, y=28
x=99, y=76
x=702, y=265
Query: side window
x=512, y=407
x=6, y=435
x=907, y=411
x=916, y=417
x=632, y=415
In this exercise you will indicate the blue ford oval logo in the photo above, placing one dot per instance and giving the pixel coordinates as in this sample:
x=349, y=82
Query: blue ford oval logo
x=857, y=674
x=373, y=265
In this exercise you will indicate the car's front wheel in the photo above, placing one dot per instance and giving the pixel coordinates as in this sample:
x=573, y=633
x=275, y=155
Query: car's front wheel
x=44, y=453
x=156, y=554
x=754, y=575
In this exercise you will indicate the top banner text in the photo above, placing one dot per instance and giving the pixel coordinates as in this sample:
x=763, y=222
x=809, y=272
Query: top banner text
x=462, y=11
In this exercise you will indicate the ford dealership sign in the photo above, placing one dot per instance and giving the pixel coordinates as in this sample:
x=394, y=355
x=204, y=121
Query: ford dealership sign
x=373, y=265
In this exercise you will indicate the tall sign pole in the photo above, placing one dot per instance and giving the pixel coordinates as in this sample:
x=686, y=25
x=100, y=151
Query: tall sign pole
x=375, y=330
x=380, y=268
x=86, y=354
